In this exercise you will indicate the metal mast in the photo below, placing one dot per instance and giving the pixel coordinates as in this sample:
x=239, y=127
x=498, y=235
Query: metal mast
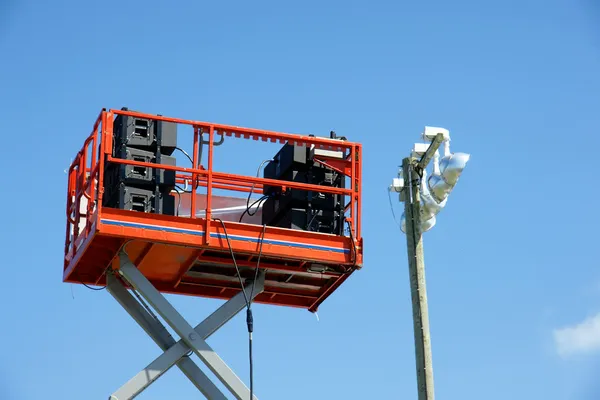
x=424, y=197
x=412, y=171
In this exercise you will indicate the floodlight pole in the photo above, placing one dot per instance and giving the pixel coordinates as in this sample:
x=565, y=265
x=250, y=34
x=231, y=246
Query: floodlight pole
x=412, y=170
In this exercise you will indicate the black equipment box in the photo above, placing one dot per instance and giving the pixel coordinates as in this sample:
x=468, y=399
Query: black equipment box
x=300, y=209
x=146, y=134
x=137, y=199
x=136, y=175
x=289, y=159
x=315, y=220
x=139, y=188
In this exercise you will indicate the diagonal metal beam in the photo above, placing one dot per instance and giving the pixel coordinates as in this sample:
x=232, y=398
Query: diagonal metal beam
x=205, y=329
x=433, y=147
x=164, y=340
x=188, y=335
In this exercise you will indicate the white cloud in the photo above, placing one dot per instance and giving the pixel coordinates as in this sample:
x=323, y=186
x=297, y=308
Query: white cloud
x=583, y=338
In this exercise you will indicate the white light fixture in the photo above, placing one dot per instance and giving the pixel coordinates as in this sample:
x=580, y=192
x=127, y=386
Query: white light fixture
x=430, y=132
x=449, y=170
x=436, y=188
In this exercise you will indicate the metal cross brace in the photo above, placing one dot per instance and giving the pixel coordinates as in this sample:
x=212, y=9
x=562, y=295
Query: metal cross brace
x=192, y=339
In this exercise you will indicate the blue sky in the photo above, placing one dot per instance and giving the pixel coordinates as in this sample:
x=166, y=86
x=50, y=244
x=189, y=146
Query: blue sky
x=512, y=264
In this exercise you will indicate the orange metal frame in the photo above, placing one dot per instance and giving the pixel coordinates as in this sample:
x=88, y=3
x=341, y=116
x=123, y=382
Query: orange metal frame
x=190, y=255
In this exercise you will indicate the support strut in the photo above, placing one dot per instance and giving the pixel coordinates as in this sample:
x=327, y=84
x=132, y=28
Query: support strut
x=192, y=339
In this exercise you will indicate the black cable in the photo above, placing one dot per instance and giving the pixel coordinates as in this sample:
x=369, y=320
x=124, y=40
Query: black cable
x=237, y=270
x=262, y=240
x=106, y=269
x=91, y=288
x=312, y=220
x=247, y=210
x=249, y=317
x=179, y=194
x=185, y=153
x=250, y=355
x=259, y=201
x=257, y=175
x=392, y=208
x=179, y=198
x=182, y=189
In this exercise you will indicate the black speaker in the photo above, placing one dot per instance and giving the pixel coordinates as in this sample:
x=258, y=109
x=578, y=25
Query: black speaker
x=301, y=209
x=137, y=175
x=145, y=134
x=310, y=220
x=288, y=160
x=133, y=198
x=136, y=188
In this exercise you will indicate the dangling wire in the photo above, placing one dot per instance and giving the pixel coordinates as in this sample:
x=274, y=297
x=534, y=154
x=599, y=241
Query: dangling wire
x=262, y=240
x=249, y=317
x=92, y=288
x=258, y=204
x=262, y=199
x=237, y=269
x=392, y=208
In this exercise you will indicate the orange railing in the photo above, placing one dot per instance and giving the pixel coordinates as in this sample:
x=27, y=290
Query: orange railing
x=86, y=172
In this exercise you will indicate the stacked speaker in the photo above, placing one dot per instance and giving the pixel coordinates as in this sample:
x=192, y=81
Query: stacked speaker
x=299, y=209
x=135, y=188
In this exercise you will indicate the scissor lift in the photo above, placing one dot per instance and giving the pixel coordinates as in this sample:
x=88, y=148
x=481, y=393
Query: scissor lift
x=140, y=256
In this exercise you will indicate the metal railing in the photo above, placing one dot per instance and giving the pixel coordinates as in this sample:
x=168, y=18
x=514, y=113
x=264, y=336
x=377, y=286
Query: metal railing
x=86, y=174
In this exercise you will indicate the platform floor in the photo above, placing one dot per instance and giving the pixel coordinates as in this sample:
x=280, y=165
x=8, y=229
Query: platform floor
x=176, y=256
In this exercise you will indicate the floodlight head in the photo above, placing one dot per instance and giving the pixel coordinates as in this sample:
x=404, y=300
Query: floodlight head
x=430, y=207
x=434, y=191
x=425, y=225
x=430, y=132
x=450, y=169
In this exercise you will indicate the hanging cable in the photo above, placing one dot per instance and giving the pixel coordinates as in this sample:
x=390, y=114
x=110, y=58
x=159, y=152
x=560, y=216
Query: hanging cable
x=260, y=167
x=237, y=269
x=315, y=213
x=392, y=208
x=262, y=240
x=91, y=288
x=258, y=203
x=107, y=269
x=248, y=206
x=185, y=153
x=249, y=316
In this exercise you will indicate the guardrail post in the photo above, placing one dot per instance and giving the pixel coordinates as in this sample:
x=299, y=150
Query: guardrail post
x=209, y=183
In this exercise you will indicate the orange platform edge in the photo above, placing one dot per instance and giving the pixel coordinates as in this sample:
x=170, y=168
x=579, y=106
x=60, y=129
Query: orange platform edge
x=190, y=255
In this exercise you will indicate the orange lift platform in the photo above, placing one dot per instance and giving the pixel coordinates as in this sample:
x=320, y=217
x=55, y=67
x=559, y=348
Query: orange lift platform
x=139, y=256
